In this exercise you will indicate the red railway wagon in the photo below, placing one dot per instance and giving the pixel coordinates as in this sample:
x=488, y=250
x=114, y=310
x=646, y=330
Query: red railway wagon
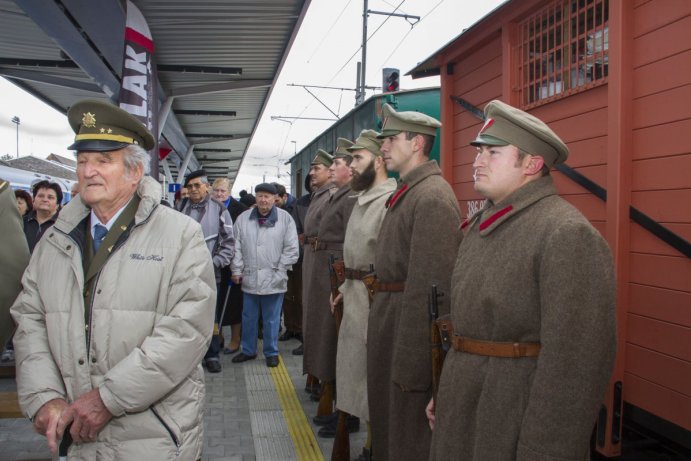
x=613, y=79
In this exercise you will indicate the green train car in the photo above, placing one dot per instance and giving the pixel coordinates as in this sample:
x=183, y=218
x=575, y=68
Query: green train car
x=365, y=116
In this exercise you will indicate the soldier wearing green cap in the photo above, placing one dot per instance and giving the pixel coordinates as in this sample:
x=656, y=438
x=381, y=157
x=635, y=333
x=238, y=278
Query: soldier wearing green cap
x=322, y=190
x=533, y=307
x=373, y=187
x=117, y=307
x=416, y=247
x=320, y=336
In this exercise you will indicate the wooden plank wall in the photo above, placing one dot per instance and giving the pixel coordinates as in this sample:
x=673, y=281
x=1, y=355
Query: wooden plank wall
x=658, y=350
x=478, y=80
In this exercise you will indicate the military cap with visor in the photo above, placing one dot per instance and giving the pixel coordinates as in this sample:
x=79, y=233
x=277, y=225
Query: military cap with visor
x=342, y=145
x=506, y=125
x=100, y=126
x=322, y=158
x=368, y=140
x=411, y=121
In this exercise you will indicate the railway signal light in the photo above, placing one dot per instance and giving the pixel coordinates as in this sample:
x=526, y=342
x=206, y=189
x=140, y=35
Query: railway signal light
x=390, y=79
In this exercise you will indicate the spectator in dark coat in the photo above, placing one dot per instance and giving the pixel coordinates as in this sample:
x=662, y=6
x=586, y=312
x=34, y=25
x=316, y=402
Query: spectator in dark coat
x=47, y=198
x=24, y=202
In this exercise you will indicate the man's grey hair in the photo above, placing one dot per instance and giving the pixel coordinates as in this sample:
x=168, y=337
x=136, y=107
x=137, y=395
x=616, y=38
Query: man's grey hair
x=136, y=155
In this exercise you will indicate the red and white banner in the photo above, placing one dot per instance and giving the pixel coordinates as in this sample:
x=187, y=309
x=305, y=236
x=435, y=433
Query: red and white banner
x=138, y=94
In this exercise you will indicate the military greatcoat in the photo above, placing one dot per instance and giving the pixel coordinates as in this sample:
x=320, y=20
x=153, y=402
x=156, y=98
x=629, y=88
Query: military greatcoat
x=417, y=245
x=358, y=253
x=318, y=204
x=319, y=334
x=530, y=269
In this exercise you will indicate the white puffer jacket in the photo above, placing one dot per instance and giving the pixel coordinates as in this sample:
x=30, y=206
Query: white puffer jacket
x=151, y=323
x=264, y=254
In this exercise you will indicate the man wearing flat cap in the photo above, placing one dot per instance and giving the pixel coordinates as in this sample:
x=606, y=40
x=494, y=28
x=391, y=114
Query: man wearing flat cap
x=117, y=307
x=416, y=248
x=266, y=247
x=373, y=187
x=217, y=227
x=322, y=190
x=320, y=334
x=533, y=308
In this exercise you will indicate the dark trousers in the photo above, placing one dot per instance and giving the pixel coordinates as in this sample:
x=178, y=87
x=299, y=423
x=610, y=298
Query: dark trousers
x=292, y=302
x=215, y=346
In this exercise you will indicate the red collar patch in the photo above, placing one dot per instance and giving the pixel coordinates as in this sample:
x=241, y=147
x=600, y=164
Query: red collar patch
x=494, y=217
x=392, y=200
x=465, y=223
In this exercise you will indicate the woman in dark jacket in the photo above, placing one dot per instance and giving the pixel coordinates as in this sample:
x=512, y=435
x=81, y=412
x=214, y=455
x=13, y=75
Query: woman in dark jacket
x=24, y=202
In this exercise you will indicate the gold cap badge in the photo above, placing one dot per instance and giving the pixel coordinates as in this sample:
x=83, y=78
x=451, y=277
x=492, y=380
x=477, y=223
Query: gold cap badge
x=89, y=120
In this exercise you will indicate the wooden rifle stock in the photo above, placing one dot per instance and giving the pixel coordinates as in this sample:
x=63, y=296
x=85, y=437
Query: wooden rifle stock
x=341, y=447
x=438, y=353
x=336, y=278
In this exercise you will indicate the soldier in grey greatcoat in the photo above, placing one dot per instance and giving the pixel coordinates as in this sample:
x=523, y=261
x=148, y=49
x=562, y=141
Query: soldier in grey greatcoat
x=14, y=254
x=322, y=190
x=373, y=187
x=533, y=307
x=416, y=248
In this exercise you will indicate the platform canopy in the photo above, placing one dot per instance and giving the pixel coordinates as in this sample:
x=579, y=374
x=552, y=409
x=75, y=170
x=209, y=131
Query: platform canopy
x=217, y=64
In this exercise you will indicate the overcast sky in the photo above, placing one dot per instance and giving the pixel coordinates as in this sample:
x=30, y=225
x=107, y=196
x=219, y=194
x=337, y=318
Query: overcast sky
x=325, y=53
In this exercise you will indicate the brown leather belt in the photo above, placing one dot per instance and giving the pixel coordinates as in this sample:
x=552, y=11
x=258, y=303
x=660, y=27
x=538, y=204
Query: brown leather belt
x=391, y=287
x=354, y=274
x=330, y=246
x=495, y=349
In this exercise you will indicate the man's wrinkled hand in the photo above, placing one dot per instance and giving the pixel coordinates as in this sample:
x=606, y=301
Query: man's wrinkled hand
x=88, y=416
x=46, y=421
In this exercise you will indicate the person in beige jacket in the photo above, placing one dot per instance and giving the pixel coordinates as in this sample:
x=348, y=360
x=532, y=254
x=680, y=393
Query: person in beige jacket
x=117, y=308
x=373, y=186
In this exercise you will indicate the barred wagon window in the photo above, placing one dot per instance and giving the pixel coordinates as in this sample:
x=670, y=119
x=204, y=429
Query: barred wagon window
x=563, y=50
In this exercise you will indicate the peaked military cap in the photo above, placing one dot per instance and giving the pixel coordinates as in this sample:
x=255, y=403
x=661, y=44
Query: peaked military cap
x=193, y=175
x=505, y=124
x=322, y=158
x=415, y=122
x=102, y=127
x=342, y=145
x=367, y=140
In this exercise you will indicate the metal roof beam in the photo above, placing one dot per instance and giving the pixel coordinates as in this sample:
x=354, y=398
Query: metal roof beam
x=41, y=77
x=211, y=113
x=220, y=87
x=199, y=69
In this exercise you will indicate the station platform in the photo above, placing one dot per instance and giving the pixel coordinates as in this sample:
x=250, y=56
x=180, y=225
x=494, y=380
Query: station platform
x=252, y=413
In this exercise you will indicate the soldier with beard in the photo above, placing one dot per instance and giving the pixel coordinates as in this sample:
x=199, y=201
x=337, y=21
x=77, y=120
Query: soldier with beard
x=373, y=187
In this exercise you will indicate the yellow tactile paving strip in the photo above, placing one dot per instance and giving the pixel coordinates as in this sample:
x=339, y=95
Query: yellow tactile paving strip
x=306, y=445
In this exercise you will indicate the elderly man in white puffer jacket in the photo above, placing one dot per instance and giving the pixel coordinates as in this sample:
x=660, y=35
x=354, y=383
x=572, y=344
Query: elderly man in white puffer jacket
x=266, y=247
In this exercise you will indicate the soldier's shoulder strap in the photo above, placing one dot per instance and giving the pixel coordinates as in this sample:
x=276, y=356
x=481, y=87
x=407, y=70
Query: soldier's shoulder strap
x=4, y=185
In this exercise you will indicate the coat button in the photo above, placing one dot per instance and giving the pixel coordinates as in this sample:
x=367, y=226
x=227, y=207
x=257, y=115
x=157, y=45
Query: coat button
x=69, y=247
x=98, y=292
x=93, y=359
x=81, y=361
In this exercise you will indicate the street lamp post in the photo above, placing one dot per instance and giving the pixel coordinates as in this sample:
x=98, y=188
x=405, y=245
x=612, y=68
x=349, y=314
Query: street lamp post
x=16, y=121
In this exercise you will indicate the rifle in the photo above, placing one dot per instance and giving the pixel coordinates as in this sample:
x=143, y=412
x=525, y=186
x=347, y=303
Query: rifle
x=336, y=278
x=438, y=353
x=341, y=447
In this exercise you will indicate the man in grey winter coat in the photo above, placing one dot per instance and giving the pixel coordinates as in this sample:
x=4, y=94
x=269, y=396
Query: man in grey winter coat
x=533, y=307
x=266, y=247
x=117, y=307
x=218, y=234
